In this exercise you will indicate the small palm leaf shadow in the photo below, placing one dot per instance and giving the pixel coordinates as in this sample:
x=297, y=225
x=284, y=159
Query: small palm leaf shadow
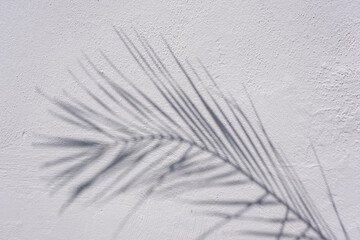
x=190, y=143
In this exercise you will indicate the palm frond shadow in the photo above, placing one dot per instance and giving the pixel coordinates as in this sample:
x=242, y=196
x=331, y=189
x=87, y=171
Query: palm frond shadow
x=198, y=143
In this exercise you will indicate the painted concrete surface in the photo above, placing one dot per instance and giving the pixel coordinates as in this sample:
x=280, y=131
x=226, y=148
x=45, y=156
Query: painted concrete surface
x=299, y=60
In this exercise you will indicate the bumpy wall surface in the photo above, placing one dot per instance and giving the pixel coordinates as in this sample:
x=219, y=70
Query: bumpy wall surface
x=298, y=60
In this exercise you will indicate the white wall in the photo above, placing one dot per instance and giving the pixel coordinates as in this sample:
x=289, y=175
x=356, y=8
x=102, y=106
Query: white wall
x=298, y=59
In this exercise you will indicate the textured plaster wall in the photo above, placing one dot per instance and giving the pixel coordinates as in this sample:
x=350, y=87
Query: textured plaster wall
x=298, y=59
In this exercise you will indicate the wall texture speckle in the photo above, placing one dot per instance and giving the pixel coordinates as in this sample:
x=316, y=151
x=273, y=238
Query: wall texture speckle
x=299, y=60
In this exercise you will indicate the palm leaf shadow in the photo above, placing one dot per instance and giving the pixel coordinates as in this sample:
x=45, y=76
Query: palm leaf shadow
x=197, y=140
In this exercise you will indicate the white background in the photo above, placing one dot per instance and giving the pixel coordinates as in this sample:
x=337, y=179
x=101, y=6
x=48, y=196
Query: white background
x=298, y=59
